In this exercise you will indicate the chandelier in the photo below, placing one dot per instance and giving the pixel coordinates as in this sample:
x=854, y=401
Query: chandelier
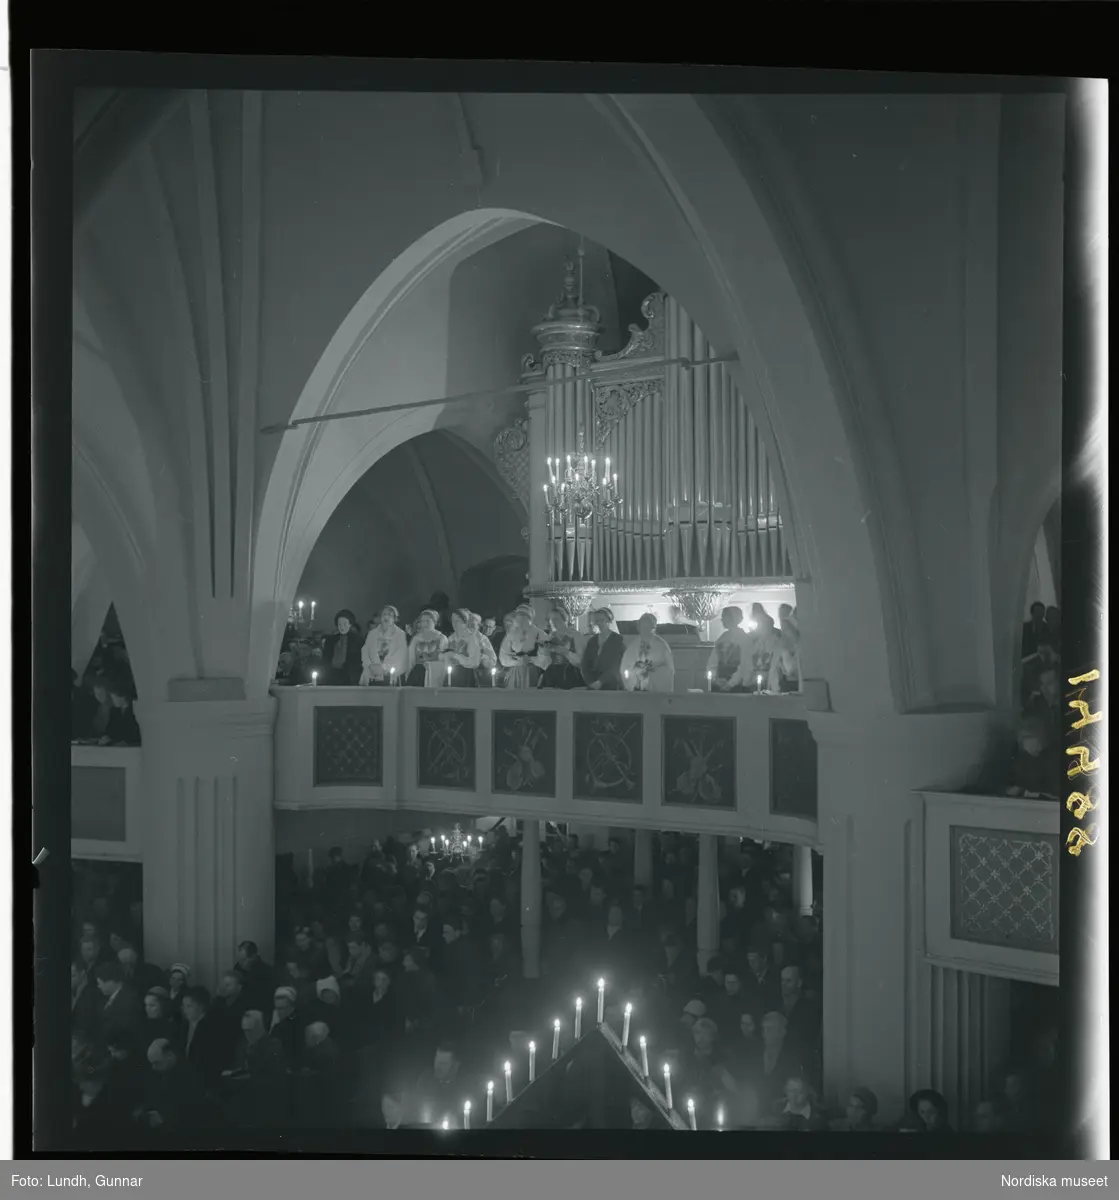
x=579, y=493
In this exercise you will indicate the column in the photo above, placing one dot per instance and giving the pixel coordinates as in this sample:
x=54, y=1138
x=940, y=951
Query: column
x=643, y=857
x=531, y=899
x=208, y=838
x=707, y=900
x=802, y=880
x=539, y=549
x=877, y=1003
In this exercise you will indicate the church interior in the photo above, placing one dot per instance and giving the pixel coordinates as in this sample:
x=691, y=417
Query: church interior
x=405, y=423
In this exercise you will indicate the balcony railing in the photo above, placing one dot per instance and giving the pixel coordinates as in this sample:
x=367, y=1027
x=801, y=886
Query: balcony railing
x=992, y=885
x=699, y=762
x=104, y=802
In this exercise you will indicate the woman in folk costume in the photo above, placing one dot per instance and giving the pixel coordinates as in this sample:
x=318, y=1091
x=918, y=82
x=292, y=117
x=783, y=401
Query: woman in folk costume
x=565, y=654
x=424, y=652
x=521, y=650
x=767, y=651
x=486, y=670
x=463, y=655
x=647, y=665
x=731, y=664
x=602, y=657
x=384, y=657
x=341, y=654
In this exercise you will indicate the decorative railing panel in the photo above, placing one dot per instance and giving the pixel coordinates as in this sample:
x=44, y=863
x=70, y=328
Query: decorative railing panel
x=991, y=885
x=794, y=775
x=105, y=791
x=692, y=762
x=349, y=746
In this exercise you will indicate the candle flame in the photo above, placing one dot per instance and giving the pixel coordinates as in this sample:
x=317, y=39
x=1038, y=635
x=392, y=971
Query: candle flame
x=532, y=1046
x=466, y=1106
x=446, y=1123
x=556, y=1024
x=508, y=1068
x=489, y=1087
x=641, y=1040
x=578, y=1001
x=601, y=984
x=629, y=1009
x=691, y=1104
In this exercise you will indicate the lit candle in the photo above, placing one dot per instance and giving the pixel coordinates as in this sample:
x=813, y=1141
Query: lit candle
x=468, y=838
x=759, y=684
x=601, y=1000
x=301, y=608
x=709, y=675
x=493, y=676
x=626, y=674
x=644, y=1056
x=719, y=1119
x=569, y=462
x=312, y=612
x=625, y=1026
x=608, y=466
x=668, y=1084
x=555, y=1039
x=450, y=668
x=489, y=1101
x=392, y=676
x=314, y=679
x=615, y=480
x=531, y=1062
x=508, y=1083
x=446, y=1123
x=466, y=1114
x=578, y=1017
x=691, y=1114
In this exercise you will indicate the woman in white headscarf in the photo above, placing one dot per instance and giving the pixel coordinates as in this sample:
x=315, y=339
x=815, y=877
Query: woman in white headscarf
x=463, y=655
x=425, y=651
x=384, y=657
x=522, y=649
x=647, y=665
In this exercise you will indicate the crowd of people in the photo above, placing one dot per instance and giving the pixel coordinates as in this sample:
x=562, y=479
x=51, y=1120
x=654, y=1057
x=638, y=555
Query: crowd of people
x=459, y=648
x=1036, y=768
x=398, y=989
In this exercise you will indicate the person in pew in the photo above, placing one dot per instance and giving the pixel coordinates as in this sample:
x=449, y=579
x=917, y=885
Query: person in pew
x=342, y=663
x=603, y=653
x=647, y=665
x=425, y=651
x=463, y=655
x=384, y=656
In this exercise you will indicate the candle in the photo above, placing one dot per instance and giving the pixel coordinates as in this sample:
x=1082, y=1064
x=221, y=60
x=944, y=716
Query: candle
x=314, y=679
x=489, y=1101
x=468, y=839
x=719, y=1119
x=625, y=1026
x=493, y=676
x=508, y=1083
x=668, y=1084
x=312, y=612
x=531, y=1062
x=578, y=1017
x=644, y=1056
x=450, y=668
x=301, y=608
x=601, y=1000
x=392, y=676
x=555, y=1039
x=626, y=674
x=446, y=1123
x=709, y=674
x=466, y=1114
x=691, y=1114
x=759, y=684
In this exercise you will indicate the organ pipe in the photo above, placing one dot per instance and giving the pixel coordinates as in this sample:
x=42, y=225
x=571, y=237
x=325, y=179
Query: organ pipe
x=698, y=495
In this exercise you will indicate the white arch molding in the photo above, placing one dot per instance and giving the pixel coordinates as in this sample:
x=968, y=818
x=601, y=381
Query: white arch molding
x=734, y=282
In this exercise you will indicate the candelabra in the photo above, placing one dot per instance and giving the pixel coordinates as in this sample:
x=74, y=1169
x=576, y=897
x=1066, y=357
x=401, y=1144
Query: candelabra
x=577, y=492
x=299, y=615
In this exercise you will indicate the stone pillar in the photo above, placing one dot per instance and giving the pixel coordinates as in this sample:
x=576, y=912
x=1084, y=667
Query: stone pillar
x=802, y=880
x=531, y=899
x=643, y=857
x=707, y=900
x=876, y=983
x=208, y=839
